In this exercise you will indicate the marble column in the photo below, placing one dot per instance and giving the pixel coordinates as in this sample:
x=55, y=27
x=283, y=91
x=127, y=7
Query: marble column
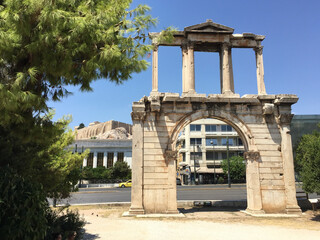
x=254, y=199
x=137, y=164
x=155, y=69
x=105, y=159
x=225, y=70
x=284, y=121
x=95, y=159
x=191, y=80
x=260, y=70
x=115, y=157
x=85, y=162
x=171, y=158
x=185, y=74
x=231, y=71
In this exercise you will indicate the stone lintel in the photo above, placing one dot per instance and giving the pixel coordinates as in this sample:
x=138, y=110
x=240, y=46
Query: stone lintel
x=267, y=97
x=286, y=99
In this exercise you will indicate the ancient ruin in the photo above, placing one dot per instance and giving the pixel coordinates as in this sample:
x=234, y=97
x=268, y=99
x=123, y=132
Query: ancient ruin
x=262, y=121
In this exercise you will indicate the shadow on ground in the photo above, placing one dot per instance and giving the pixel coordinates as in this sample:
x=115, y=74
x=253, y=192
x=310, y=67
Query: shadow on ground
x=88, y=236
x=316, y=217
x=208, y=209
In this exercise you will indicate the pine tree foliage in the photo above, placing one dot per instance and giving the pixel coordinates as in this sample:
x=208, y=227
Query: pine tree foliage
x=46, y=45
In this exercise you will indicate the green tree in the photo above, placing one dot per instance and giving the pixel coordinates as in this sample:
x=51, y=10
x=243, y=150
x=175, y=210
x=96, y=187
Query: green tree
x=237, y=168
x=307, y=161
x=23, y=207
x=121, y=170
x=46, y=45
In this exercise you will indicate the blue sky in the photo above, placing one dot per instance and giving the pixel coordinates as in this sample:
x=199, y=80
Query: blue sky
x=291, y=57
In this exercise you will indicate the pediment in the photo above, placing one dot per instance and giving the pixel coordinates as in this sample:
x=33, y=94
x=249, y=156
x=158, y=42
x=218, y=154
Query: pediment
x=209, y=27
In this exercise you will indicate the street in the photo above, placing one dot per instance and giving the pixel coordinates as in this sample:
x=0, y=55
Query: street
x=198, y=192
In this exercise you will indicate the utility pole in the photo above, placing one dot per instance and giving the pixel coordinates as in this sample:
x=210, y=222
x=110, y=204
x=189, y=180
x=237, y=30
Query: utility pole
x=214, y=164
x=229, y=179
x=194, y=163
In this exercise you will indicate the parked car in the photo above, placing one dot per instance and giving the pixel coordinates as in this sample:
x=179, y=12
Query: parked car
x=178, y=181
x=125, y=184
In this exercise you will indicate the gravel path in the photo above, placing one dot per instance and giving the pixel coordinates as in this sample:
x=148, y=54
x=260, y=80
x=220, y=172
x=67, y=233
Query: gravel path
x=103, y=223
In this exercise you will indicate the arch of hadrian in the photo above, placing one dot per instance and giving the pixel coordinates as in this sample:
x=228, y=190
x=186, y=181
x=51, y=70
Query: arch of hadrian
x=262, y=121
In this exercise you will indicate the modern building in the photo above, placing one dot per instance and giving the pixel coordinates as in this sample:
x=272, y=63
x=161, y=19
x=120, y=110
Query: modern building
x=203, y=144
x=108, y=142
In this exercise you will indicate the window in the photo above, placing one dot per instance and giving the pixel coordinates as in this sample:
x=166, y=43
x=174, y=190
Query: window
x=212, y=156
x=240, y=143
x=211, y=128
x=226, y=128
x=110, y=159
x=195, y=141
x=90, y=160
x=195, y=127
x=211, y=142
x=195, y=156
x=120, y=156
x=224, y=155
x=100, y=159
x=224, y=142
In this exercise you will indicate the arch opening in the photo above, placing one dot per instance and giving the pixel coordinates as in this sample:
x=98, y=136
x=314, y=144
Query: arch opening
x=203, y=147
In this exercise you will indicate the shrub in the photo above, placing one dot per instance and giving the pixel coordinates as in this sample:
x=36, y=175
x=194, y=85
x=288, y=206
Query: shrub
x=220, y=180
x=23, y=207
x=64, y=222
x=121, y=170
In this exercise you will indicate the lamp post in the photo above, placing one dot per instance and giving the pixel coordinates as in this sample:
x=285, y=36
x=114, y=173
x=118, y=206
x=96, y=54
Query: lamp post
x=214, y=166
x=229, y=180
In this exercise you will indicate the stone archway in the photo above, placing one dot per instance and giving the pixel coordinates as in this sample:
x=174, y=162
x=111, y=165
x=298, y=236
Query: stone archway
x=262, y=120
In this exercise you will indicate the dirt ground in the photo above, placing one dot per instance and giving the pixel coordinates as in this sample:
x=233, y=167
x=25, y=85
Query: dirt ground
x=105, y=222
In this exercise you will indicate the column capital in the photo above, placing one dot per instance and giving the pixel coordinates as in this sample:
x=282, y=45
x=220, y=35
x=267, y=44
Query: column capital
x=225, y=46
x=138, y=116
x=190, y=45
x=258, y=49
x=155, y=47
x=184, y=47
x=252, y=156
x=284, y=118
x=170, y=156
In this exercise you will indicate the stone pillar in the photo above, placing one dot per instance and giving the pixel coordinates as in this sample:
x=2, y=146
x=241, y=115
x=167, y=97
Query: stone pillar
x=231, y=71
x=137, y=164
x=155, y=69
x=105, y=159
x=115, y=157
x=185, y=74
x=225, y=71
x=260, y=71
x=85, y=162
x=254, y=199
x=171, y=158
x=284, y=121
x=191, y=81
x=95, y=159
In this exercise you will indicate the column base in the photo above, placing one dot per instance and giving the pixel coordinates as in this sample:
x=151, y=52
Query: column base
x=295, y=209
x=155, y=93
x=254, y=212
x=172, y=212
x=136, y=211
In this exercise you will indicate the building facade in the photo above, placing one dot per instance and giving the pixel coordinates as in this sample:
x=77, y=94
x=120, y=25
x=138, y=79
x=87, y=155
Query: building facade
x=104, y=152
x=109, y=142
x=204, y=144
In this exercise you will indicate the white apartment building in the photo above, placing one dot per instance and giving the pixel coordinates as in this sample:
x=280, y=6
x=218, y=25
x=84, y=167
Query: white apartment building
x=204, y=142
